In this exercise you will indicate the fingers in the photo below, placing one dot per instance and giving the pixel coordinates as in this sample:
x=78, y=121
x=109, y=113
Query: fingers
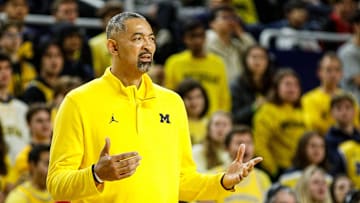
x=124, y=156
x=256, y=160
x=106, y=150
x=240, y=153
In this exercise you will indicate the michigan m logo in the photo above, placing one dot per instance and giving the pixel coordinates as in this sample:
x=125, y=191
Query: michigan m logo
x=165, y=118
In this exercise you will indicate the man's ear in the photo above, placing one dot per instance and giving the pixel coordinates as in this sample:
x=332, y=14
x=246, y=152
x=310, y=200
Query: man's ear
x=112, y=47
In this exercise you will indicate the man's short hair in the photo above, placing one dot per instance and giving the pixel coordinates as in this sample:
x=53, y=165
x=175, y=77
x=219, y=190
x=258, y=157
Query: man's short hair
x=35, y=153
x=192, y=24
x=214, y=12
x=35, y=108
x=344, y=96
x=117, y=23
x=56, y=4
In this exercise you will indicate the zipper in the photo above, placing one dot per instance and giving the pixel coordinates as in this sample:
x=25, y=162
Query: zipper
x=136, y=112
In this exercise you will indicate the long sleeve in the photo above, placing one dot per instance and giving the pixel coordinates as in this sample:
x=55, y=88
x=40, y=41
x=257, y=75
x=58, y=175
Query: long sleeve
x=65, y=180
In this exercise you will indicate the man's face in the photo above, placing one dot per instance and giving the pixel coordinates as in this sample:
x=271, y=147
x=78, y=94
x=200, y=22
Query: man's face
x=136, y=45
x=5, y=74
x=224, y=22
x=17, y=10
x=330, y=72
x=67, y=12
x=11, y=40
x=40, y=125
x=195, y=39
x=343, y=112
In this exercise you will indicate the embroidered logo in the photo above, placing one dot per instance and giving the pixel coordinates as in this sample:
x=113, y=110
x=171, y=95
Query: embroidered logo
x=164, y=118
x=113, y=119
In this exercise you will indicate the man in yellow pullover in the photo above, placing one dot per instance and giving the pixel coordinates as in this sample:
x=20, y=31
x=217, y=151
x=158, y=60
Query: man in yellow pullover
x=142, y=121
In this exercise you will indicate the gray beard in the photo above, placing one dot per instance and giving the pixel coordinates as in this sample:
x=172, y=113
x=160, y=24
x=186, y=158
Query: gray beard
x=144, y=66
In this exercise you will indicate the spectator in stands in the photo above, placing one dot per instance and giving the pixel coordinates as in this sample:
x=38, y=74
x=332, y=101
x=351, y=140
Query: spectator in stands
x=249, y=90
x=65, y=10
x=77, y=59
x=196, y=104
x=198, y=64
x=280, y=194
x=100, y=55
x=340, y=186
x=225, y=24
x=343, y=111
x=49, y=60
x=316, y=103
x=338, y=20
x=34, y=190
x=38, y=119
x=312, y=187
x=279, y=123
x=12, y=112
x=296, y=14
x=349, y=54
x=310, y=150
x=212, y=152
x=254, y=187
x=10, y=43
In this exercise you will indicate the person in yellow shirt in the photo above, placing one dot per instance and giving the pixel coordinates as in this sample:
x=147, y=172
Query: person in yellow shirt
x=316, y=103
x=279, y=123
x=39, y=122
x=200, y=65
x=141, y=120
x=254, y=187
x=196, y=104
x=100, y=55
x=34, y=190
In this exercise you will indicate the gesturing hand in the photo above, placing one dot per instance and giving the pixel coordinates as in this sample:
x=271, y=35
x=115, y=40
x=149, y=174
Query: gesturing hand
x=116, y=167
x=239, y=170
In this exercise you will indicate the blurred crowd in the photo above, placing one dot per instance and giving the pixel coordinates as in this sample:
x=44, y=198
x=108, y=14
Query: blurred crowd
x=293, y=101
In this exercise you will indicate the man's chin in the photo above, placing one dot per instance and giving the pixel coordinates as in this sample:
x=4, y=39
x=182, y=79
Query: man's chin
x=144, y=67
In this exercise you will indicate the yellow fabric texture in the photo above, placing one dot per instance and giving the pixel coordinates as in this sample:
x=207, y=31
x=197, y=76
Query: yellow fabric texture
x=20, y=170
x=246, y=10
x=197, y=130
x=26, y=193
x=150, y=120
x=20, y=81
x=316, y=105
x=209, y=71
x=351, y=153
x=100, y=54
x=277, y=129
x=251, y=190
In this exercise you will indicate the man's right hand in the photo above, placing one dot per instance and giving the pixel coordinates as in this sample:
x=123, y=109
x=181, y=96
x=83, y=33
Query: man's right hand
x=116, y=167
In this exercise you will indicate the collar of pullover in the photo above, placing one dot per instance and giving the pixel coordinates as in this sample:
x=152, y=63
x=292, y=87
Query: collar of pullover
x=144, y=92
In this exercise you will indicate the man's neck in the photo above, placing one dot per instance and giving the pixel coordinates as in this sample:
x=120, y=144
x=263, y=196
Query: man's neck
x=35, y=183
x=348, y=129
x=4, y=94
x=200, y=54
x=127, y=78
x=44, y=141
x=224, y=38
x=329, y=89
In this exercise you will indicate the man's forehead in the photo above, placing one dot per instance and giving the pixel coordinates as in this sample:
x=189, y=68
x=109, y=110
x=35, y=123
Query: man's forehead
x=136, y=24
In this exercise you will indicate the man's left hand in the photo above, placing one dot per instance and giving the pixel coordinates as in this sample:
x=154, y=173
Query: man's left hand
x=238, y=170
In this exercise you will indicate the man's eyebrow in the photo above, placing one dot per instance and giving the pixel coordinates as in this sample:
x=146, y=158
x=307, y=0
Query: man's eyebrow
x=142, y=34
